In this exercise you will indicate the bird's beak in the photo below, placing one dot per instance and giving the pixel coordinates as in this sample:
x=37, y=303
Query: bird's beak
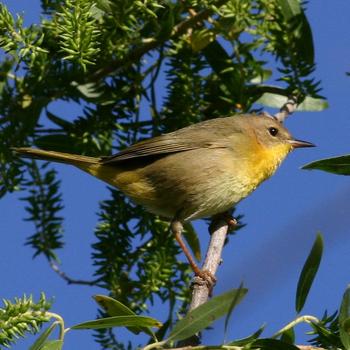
x=300, y=144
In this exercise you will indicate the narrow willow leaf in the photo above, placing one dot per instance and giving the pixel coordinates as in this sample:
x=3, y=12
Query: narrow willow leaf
x=38, y=344
x=263, y=76
x=56, y=142
x=270, y=99
x=303, y=39
x=344, y=316
x=300, y=27
x=52, y=345
x=119, y=321
x=192, y=240
x=116, y=308
x=234, y=302
x=336, y=165
x=290, y=8
x=313, y=104
x=202, y=38
x=272, y=344
x=308, y=272
x=88, y=90
x=275, y=100
x=221, y=63
x=64, y=124
x=205, y=314
x=249, y=339
x=288, y=336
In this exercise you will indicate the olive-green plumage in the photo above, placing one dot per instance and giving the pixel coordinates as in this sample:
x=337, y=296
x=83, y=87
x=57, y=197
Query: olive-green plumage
x=194, y=172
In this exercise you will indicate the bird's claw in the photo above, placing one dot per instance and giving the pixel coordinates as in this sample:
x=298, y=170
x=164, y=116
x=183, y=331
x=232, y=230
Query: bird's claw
x=205, y=277
x=230, y=221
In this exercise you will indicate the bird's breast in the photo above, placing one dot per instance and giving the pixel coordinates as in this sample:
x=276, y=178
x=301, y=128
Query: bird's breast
x=264, y=162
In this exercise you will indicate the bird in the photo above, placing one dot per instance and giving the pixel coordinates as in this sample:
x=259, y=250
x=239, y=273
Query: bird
x=199, y=171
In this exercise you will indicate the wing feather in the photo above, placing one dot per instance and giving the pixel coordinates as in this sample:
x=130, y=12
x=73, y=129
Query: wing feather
x=201, y=135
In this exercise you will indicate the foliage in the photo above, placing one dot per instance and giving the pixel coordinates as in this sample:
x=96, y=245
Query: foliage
x=308, y=273
x=337, y=165
x=44, y=205
x=330, y=332
x=22, y=316
x=127, y=64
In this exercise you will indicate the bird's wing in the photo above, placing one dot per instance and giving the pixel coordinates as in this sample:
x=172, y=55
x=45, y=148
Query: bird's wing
x=158, y=146
x=196, y=136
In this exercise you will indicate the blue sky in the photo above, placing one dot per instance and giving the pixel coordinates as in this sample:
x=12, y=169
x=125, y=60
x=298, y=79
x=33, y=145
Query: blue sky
x=282, y=216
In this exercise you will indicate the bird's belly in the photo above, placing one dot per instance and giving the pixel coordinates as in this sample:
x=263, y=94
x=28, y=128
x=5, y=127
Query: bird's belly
x=182, y=185
x=203, y=200
x=171, y=187
x=218, y=198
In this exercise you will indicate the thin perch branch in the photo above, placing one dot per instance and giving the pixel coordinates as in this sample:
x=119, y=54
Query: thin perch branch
x=201, y=290
x=288, y=108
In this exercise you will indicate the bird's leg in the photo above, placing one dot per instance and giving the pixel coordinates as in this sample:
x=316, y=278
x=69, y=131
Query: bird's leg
x=177, y=228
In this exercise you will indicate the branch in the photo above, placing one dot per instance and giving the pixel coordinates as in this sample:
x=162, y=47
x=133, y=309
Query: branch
x=288, y=108
x=69, y=280
x=150, y=44
x=201, y=290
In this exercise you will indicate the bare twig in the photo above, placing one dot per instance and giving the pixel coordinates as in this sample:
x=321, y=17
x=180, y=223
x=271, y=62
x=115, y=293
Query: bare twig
x=201, y=290
x=70, y=280
x=288, y=108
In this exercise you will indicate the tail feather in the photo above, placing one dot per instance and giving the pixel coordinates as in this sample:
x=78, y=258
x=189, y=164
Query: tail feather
x=60, y=157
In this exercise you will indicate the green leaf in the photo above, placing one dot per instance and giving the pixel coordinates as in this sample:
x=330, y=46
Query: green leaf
x=270, y=99
x=309, y=104
x=264, y=75
x=53, y=345
x=233, y=304
x=313, y=104
x=38, y=344
x=64, y=124
x=202, y=38
x=308, y=272
x=119, y=321
x=166, y=23
x=221, y=63
x=288, y=336
x=337, y=165
x=290, y=8
x=344, y=315
x=300, y=27
x=89, y=90
x=272, y=344
x=205, y=314
x=116, y=308
x=104, y=5
x=112, y=306
x=56, y=142
x=249, y=339
x=303, y=38
x=192, y=240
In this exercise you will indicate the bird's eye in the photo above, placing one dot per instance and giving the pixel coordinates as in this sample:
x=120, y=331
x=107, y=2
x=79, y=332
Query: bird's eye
x=273, y=131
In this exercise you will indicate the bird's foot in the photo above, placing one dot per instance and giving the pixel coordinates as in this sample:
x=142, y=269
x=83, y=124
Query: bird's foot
x=230, y=221
x=205, y=277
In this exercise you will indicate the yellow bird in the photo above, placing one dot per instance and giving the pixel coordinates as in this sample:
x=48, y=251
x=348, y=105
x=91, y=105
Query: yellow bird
x=195, y=172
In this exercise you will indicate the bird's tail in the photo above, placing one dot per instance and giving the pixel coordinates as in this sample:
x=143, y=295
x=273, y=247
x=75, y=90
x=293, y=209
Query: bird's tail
x=60, y=157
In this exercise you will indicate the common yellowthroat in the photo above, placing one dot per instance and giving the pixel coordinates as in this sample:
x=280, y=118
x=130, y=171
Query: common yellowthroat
x=195, y=172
